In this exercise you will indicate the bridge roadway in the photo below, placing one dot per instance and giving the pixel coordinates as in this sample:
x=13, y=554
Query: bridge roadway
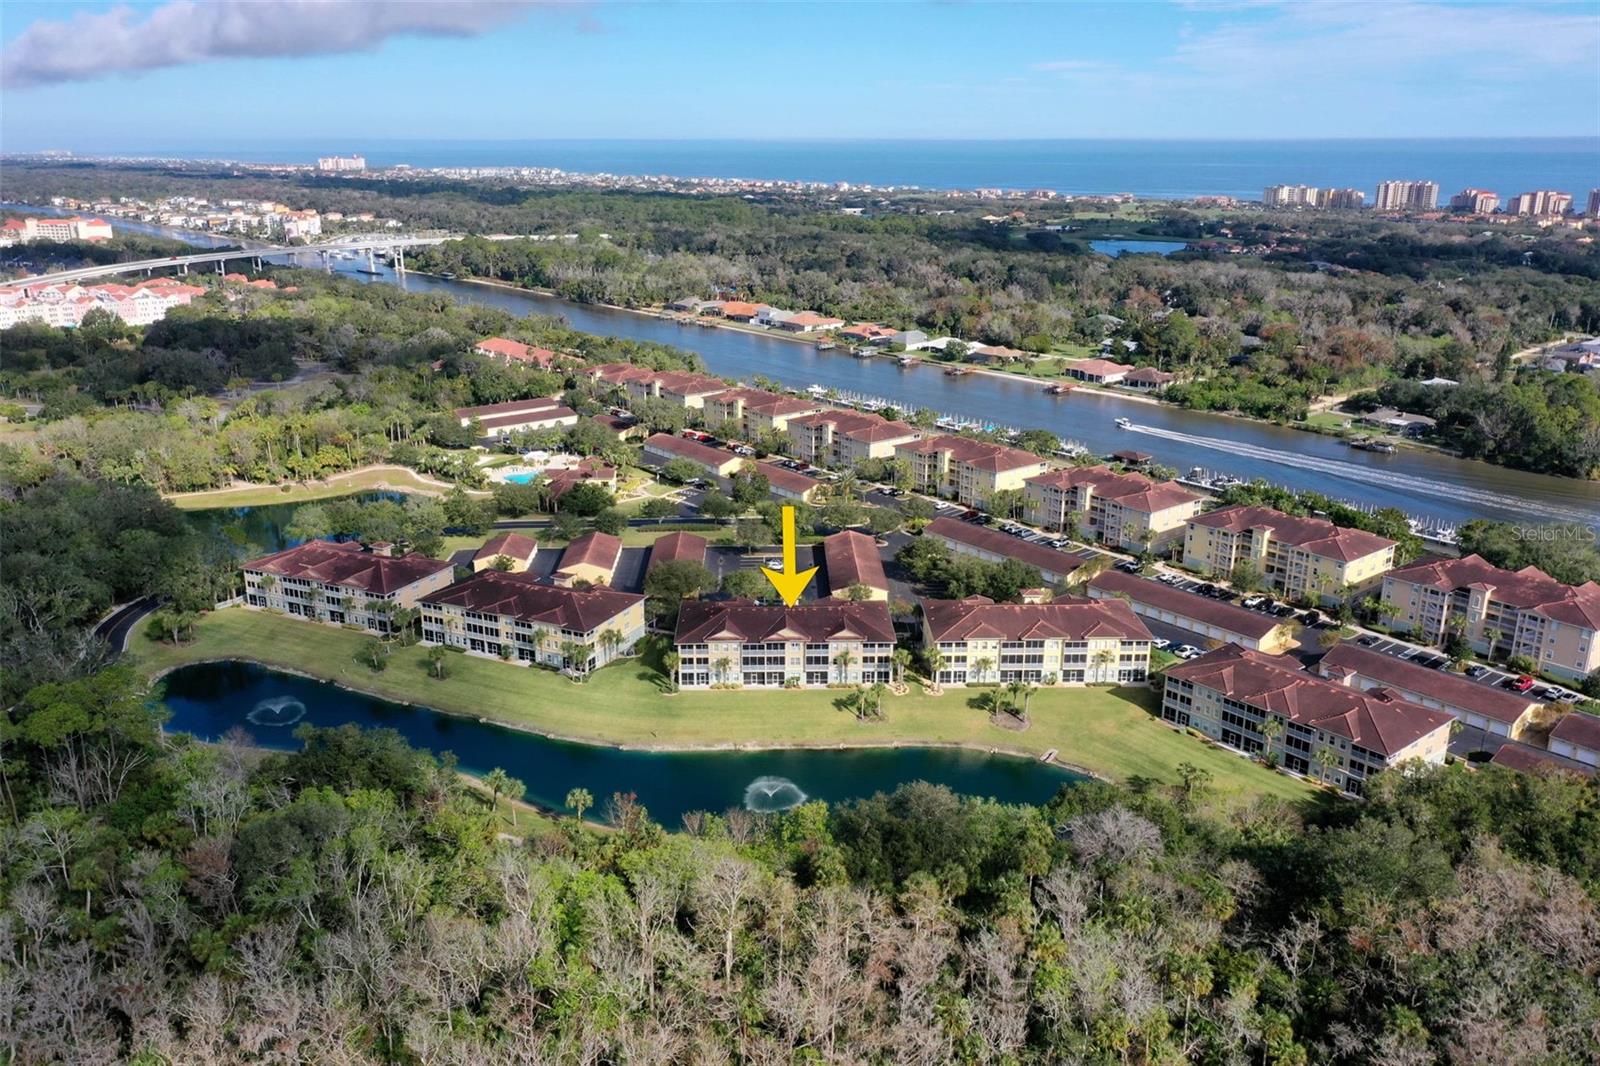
x=184, y=262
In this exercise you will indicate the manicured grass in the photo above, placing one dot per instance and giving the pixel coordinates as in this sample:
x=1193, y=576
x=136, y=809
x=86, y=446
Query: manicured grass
x=396, y=478
x=1109, y=731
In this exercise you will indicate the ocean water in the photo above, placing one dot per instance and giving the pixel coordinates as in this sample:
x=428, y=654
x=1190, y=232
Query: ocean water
x=1147, y=168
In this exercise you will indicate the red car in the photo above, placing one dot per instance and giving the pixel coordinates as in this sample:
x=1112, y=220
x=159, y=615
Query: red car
x=1522, y=684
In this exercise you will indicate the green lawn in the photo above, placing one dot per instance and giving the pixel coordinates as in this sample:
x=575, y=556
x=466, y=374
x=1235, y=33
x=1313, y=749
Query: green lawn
x=1108, y=731
x=398, y=479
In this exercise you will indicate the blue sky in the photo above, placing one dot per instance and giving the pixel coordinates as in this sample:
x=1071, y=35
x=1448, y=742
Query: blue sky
x=80, y=76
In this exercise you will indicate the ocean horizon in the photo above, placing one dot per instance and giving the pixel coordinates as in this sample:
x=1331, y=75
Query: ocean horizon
x=1158, y=169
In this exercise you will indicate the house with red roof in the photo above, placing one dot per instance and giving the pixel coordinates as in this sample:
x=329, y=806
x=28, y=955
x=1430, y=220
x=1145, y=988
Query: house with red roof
x=1303, y=558
x=1130, y=511
x=1067, y=641
x=1097, y=371
x=516, y=549
x=343, y=583
x=850, y=560
x=1499, y=612
x=1338, y=734
x=509, y=351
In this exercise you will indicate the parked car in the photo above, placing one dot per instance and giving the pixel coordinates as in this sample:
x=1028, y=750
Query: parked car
x=1283, y=610
x=1573, y=697
x=1310, y=618
x=1128, y=566
x=1477, y=670
x=1160, y=642
x=1059, y=543
x=1519, y=684
x=1371, y=641
x=1252, y=602
x=1550, y=693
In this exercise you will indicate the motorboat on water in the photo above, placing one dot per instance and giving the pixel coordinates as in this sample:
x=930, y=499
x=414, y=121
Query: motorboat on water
x=1124, y=423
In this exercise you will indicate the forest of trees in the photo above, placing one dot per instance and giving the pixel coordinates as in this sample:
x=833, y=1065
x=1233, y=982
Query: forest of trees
x=165, y=901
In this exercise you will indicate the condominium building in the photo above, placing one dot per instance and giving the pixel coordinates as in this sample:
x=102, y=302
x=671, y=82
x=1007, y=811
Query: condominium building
x=845, y=438
x=1498, y=612
x=524, y=619
x=1475, y=201
x=1540, y=202
x=1342, y=199
x=31, y=228
x=342, y=162
x=993, y=546
x=512, y=552
x=851, y=560
x=1407, y=195
x=1290, y=196
x=509, y=351
x=756, y=412
x=590, y=559
x=500, y=420
x=343, y=583
x=1495, y=710
x=684, y=387
x=1070, y=641
x=968, y=471
x=811, y=645
x=1260, y=704
x=1594, y=203
x=1303, y=558
x=1130, y=511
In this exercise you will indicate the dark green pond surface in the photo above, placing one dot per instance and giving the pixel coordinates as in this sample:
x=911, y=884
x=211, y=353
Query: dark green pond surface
x=210, y=698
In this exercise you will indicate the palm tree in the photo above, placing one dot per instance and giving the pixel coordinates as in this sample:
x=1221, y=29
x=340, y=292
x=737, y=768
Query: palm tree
x=981, y=667
x=1104, y=659
x=610, y=639
x=542, y=639
x=1015, y=690
x=1271, y=728
x=438, y=663
x=1027, y=692
x=935, y=660
x=843, y=661
x=1324, y=760
x=669, y=663
x=499, y=783
x=722, y=666
x=579, y=800
x=901, y=660
x=877, y=690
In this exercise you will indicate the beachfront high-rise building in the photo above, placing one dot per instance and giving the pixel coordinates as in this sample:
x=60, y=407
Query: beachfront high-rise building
x=1475, y=201
x=1594, y=203
x=1342, y=199
x=1408, y=195
x=1540, y=202
x=342, y=162
x=1289, y=196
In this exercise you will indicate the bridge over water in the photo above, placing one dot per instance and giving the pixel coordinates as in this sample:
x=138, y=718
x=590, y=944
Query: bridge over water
x=183, y=263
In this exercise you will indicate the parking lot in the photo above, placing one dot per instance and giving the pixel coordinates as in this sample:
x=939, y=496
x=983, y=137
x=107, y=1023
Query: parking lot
x=1492, y=676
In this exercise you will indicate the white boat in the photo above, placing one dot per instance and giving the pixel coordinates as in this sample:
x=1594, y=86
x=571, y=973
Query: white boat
x=1124, y=423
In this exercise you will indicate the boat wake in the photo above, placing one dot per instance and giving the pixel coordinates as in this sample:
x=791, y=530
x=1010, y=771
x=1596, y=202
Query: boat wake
x=1371, y=475
x=768, y=795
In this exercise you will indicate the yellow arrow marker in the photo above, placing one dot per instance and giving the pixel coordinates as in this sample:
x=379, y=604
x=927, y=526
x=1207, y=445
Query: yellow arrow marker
x=788, y=583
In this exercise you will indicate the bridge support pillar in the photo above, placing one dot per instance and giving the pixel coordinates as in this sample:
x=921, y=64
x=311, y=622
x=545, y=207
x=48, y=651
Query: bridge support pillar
x=372, y=262
x=399, y=260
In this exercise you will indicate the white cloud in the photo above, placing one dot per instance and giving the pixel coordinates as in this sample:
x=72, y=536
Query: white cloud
x=186, y=31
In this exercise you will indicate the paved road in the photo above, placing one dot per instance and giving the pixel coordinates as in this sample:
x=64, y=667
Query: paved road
x=114, y=629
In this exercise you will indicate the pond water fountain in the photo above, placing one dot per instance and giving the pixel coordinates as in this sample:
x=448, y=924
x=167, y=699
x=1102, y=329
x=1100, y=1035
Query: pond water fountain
x=767, y=795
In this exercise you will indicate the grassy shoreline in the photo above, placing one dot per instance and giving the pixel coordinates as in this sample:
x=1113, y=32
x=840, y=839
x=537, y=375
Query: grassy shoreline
x=381, y=477
x=1109, y=733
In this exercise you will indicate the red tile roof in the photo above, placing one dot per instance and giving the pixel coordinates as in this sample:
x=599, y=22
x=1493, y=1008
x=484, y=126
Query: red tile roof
x=701, y=621
x=685, y=448
x=1579, y=729
x=506, y=348
x=514, y=545
x=791, y=481
x=348, y=565
x=761, y=401
x=1377, y=720
x=1133, y=491
x=976, y=453
x=1452, y=690
x=1521, y=757
x=1528, y=589
x=592, y=549
x=852, y=558
x=1315, y=535
x=1225, y=616
x=533, y=600
x=1001, y=544
x=675, y=547
x=738, y=309
x=1064, y=618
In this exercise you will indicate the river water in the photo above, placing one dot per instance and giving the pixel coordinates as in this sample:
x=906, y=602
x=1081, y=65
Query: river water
x=1424, y=484
x=1439, y=489
x=209, y=699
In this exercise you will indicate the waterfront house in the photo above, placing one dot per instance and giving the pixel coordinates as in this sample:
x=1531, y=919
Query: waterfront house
x=662, y=448
x=808, y=322
x=844, y=438
x=1207, y=618
x=811, y=645
x=1577, y=737
x=739, y=310
x=772, y=316
x=1068, y=641
x=865, y=332
x=343, y=583
x=851, y=559
x=591, y=558
x=676, y=547
x=516, y=549
x=997, y=355
x=508, y=351
x=966, y=470
x=1495, y=710
x=1407, y=425
x=518, y=617
x=1097, y=371
x=1303, y=558
x=756, y=412
x=1148, y=379
x=785, y=484
x=1130, y=511
x=1499, y=612
x=992, y=546
x=1326, y=731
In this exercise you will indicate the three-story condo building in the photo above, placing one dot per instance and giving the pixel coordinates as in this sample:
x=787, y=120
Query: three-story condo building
x=1304, y=558
x=810, y=645
x=1319, y=728
x=343, y=583
x=1498, y=612
x=756, y=412
x=1071, y=641
x=521, y=618
x=845, y=438
x=968, y=471
x=1128, y=510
